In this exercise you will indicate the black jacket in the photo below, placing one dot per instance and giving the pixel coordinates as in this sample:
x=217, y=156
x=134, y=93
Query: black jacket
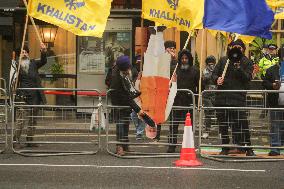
x=32, y=80
x=235, y=79
x=119, y=96
x=186, y=79
x=271, y=75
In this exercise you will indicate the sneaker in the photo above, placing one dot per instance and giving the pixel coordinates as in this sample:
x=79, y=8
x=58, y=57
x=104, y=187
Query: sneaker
x=273, y=153
x=250, y=153
x=171, y=149
x=205, y=135
x=224, y=152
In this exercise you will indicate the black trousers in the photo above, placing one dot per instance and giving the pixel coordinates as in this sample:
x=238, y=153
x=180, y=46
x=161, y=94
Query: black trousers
x=122, y=117
x=237, y=120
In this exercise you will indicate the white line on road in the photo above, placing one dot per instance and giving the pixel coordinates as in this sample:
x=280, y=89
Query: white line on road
x=139, y=167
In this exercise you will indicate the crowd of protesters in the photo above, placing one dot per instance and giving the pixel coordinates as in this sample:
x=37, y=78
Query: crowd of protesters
x=239, y=71
x=238, y=76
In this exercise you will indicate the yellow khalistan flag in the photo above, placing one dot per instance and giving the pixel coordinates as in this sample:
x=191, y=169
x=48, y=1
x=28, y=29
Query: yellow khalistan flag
x=278, y=7
x=185, y=15
x=81, y=17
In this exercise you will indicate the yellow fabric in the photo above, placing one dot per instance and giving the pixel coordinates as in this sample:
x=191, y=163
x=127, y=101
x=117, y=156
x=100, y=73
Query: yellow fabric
x=245, y=38
x=185, y=15
x=81, y=17
x=278, y=7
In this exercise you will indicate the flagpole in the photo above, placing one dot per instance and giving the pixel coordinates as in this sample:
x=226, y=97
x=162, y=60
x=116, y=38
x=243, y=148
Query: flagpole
x=142, y=45
x=200, y=68
x=21, y=52
x=33, y=23
x=227, y=63
x=199, y=86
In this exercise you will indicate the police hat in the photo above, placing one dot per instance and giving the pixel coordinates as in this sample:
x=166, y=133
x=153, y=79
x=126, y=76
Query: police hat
x=272, y=46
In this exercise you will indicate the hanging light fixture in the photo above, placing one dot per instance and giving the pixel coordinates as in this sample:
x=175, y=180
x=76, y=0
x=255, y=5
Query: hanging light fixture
x=48, y=34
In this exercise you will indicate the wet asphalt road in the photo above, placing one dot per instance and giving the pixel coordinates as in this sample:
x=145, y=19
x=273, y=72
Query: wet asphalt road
x=105, y=171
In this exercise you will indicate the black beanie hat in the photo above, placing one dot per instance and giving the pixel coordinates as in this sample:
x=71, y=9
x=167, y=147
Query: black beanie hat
x=238, y=42
x=123, y=63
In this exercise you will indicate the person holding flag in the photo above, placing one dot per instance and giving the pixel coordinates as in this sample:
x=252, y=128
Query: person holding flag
x=28, y=77
x=125, y=94
x=187, y=77
x=237, y=77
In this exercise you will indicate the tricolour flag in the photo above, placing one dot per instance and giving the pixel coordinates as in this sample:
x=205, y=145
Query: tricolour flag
x=157, y=96
x=81, y=17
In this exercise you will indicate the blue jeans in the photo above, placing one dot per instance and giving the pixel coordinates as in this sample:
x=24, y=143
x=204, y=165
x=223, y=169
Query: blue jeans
x=277, y=129
x=139, y=124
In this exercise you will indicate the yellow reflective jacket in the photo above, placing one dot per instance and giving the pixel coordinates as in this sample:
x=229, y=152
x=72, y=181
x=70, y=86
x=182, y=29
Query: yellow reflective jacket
x=266, y=63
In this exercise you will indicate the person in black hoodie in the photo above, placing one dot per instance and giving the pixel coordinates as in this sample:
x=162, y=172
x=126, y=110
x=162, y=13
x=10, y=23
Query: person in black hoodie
x=271, y=81
x=237, y=77
x=187, y=76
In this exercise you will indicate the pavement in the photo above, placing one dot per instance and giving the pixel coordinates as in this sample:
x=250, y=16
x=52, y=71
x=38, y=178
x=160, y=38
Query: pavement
x=105, y=171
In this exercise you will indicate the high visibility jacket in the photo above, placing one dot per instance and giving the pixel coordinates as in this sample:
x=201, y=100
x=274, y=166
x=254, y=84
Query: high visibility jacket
x=266, y=63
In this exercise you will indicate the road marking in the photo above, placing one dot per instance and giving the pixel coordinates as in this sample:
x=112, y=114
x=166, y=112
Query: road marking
x=139, y=167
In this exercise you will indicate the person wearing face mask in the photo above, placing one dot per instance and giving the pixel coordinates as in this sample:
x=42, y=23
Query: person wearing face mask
x=237, y=77
x=208, y=98
x=187, y=77
x=269, y=59
x=29, y=78
x=125, y=94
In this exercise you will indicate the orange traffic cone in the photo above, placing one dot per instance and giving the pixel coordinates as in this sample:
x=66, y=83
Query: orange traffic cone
x=187, y=153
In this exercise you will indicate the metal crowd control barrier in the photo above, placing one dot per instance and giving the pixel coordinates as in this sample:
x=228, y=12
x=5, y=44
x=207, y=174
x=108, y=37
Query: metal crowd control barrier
x=3, y=121
x=145, y=147
x=50, y=130
x=260, y=130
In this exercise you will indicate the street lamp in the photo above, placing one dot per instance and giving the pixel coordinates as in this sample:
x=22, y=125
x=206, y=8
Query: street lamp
x=48, y=34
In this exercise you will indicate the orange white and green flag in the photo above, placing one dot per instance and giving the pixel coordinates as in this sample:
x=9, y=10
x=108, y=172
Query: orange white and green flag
x=157, y=96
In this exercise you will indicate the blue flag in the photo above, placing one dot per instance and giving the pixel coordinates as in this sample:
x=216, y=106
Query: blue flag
x=247, y=17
